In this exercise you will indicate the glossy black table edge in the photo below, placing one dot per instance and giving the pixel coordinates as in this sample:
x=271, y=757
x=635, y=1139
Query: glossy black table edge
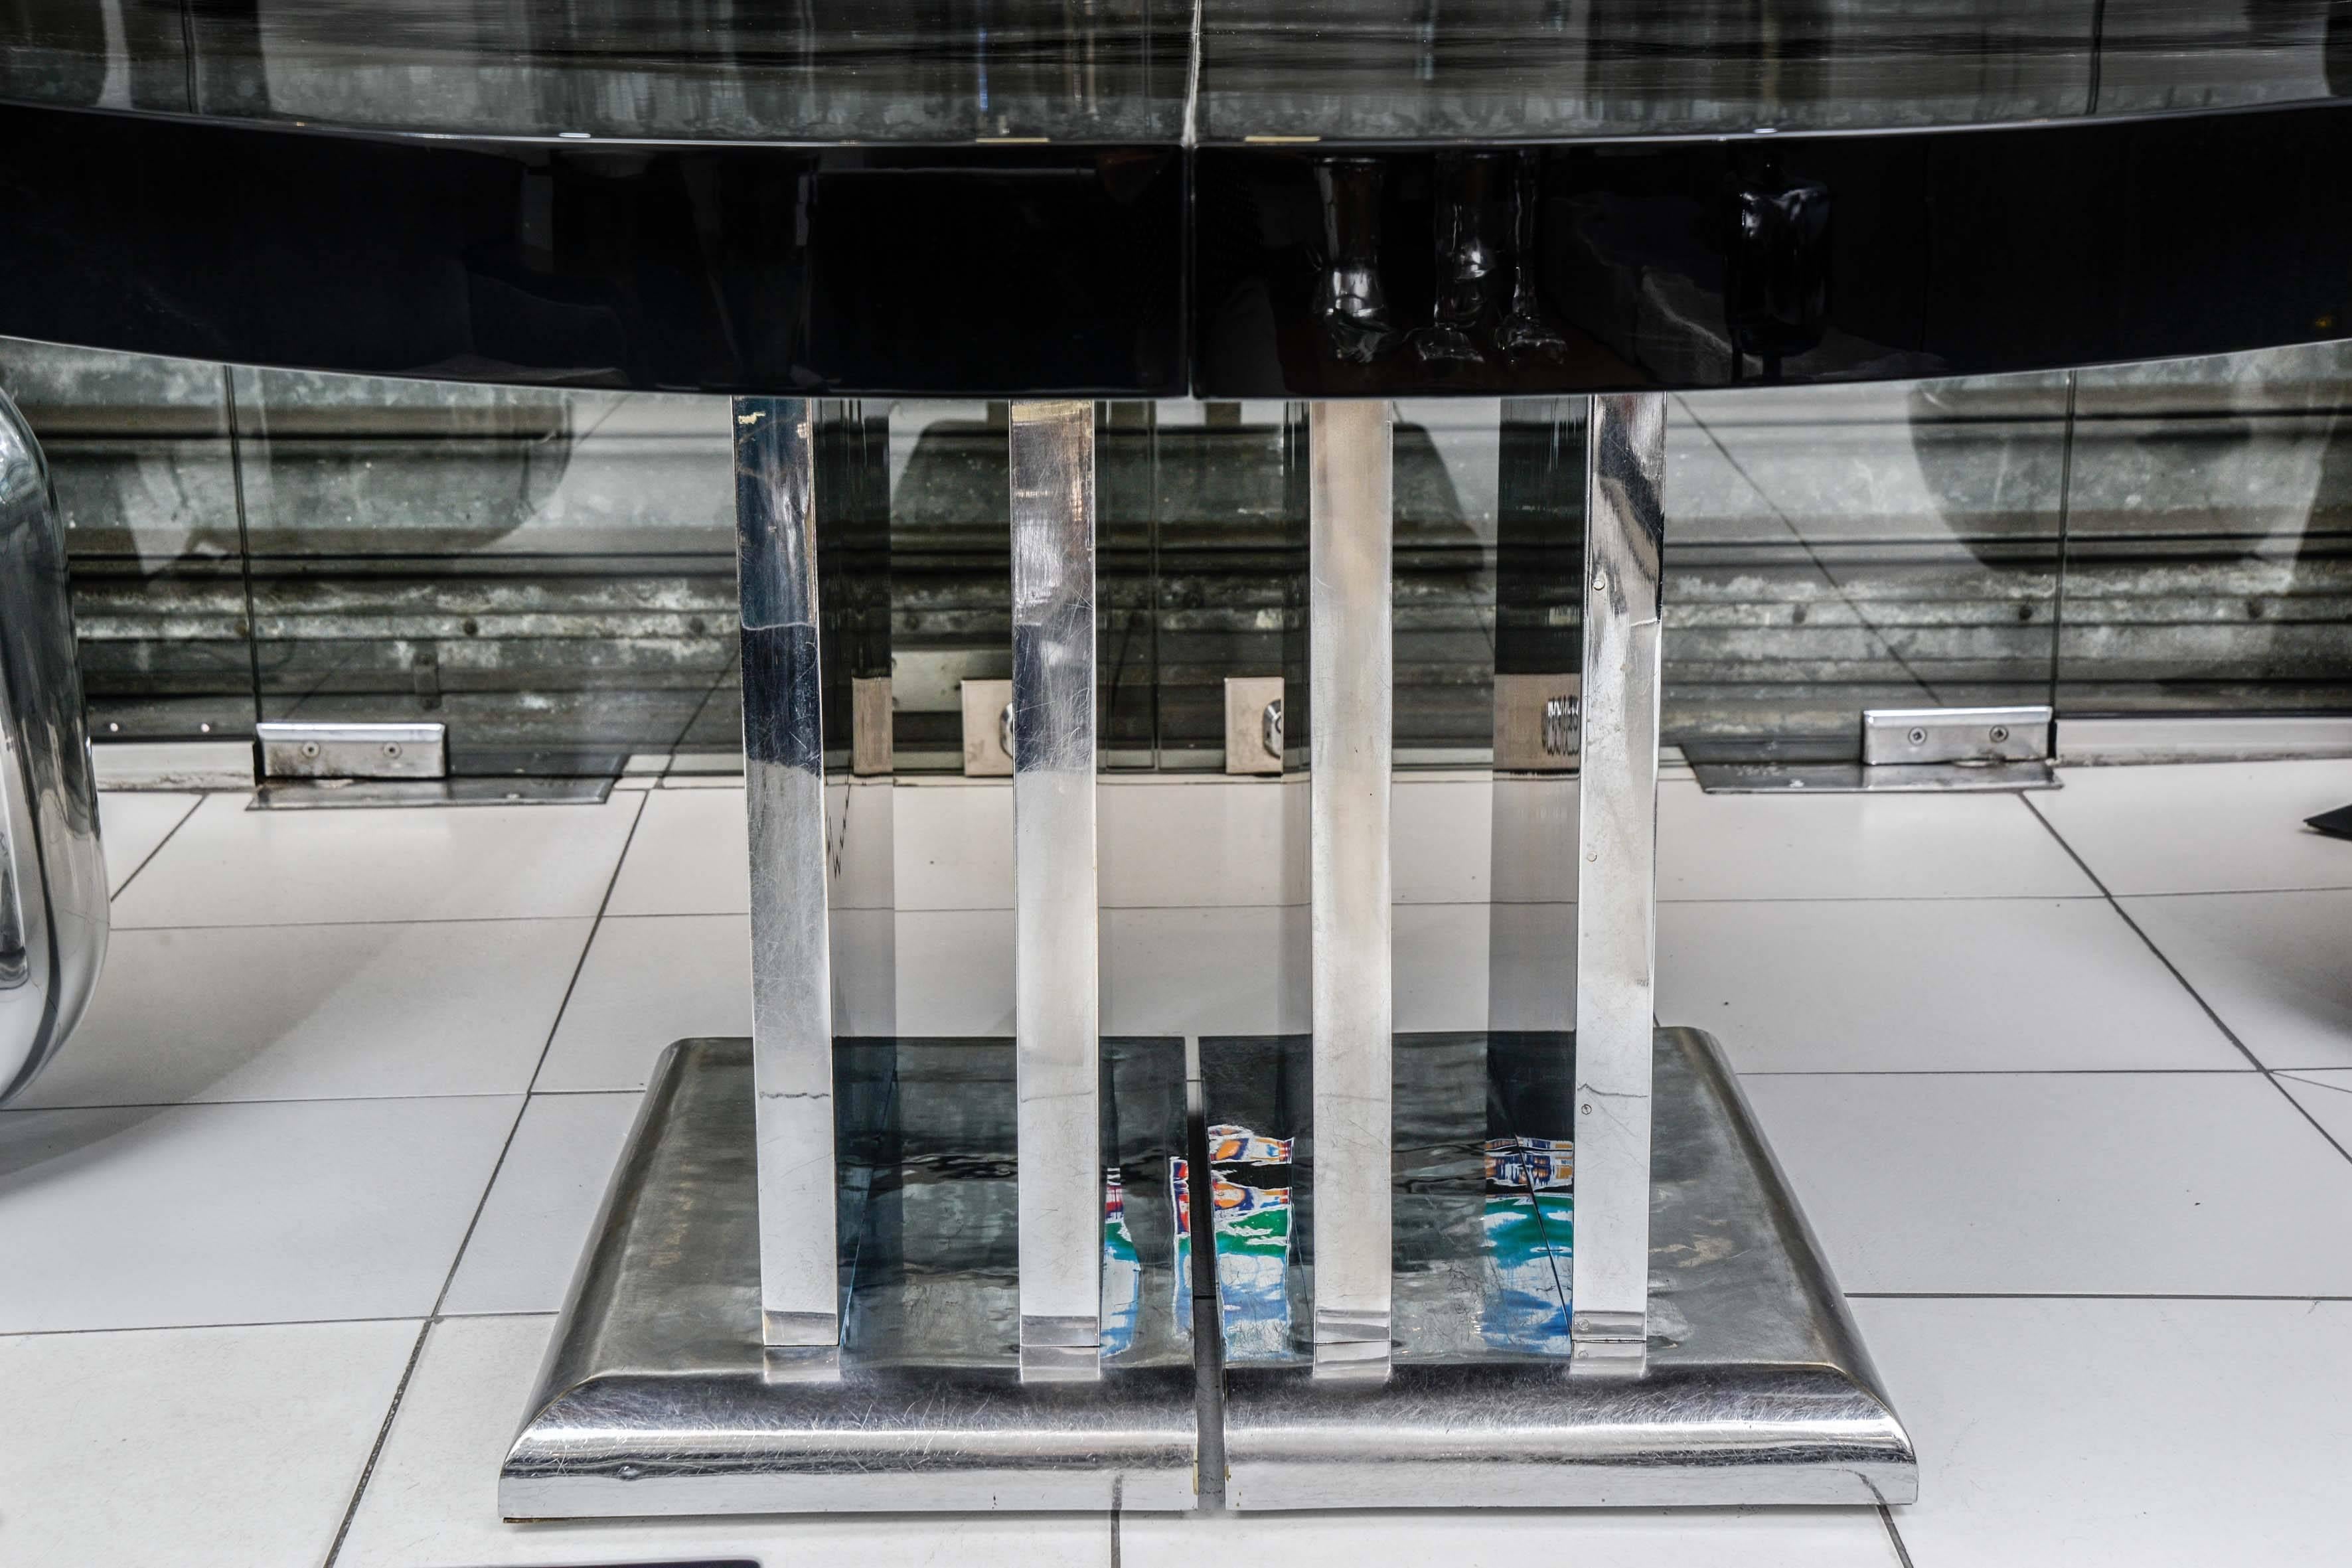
x=1327, y=270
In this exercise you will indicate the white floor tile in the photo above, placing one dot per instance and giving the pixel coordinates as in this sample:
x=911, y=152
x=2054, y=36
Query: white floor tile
x=1438, y=956
x=1441, y=840
x=235, y=1213
x=432, y=1500
x=317, y=1011
x=865, y=971
x=1858, y=846
x=227, y=866
x=1929, y=984
x=955, y=971
x=131, y=823
x=2205, y=828
x=2277, y=967
x=1533, y=847
x=954, y=846
x=2131, y=1434
x=543, y=1203
x=1205, y=970
x=690, y=855
x=2328, y=1097
x=2165, y=1183
x=1201, y=842
x=861, y=838
x=647, y=980
x=1704, y=1538
x=190, y=1447
x=1531, y=966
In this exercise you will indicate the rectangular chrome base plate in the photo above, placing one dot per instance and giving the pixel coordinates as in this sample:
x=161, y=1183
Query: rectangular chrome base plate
x=1756, y=1390
x=658, y=1399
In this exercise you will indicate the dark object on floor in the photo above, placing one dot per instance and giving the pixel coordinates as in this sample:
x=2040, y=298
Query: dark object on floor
x=2336, y=824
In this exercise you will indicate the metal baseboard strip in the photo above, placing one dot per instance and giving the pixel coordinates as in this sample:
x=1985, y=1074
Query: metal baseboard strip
x=2164, y=738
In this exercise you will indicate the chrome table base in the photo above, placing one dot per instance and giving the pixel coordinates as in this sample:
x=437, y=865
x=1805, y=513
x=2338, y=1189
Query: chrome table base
x=1537, y=1268
x=658, y=1398
x=1755, y=1388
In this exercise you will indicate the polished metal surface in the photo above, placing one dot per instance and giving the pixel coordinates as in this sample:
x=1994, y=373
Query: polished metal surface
x=1616, y=893
x=1856, y=778
x=345, y=794
x=53, y=889
x=784, y=776
x=656, y=1397
x=1910, y=737
x=1756, y=1389
x=1351, y=519
x=301, y=748
x=1056, y=1006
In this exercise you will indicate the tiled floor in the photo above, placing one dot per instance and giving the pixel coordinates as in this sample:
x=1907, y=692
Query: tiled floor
x=2064, y=1083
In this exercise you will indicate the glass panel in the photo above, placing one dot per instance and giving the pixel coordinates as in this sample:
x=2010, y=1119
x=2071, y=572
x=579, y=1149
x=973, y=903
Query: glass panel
x=1392, y=69
x=1122, y=70
x=1232, y=602
x=905, y=71
x=139, y=451
x=1830, y=549
x=951, y=573
x=2210, y=536
x=551, y=573
x=1448, y=465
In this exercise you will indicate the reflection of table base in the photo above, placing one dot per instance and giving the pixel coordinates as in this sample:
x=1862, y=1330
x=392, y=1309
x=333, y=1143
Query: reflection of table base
x=1758, y=1389
x=657, y=1399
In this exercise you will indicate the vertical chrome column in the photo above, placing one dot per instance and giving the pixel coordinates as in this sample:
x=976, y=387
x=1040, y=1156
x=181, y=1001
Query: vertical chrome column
x=784, y=776
x=1351, y=682
x=1056, y=1007
x=1616, y=893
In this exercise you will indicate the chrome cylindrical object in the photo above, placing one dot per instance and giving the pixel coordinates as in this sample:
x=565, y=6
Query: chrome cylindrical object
x=53, y=915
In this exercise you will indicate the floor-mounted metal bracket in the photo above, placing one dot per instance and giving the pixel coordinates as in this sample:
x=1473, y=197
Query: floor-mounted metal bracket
x=1903, y=751
x=304, y=749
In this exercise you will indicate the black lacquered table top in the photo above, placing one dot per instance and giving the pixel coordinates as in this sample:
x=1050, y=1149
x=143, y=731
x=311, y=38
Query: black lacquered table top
x=1231, y=198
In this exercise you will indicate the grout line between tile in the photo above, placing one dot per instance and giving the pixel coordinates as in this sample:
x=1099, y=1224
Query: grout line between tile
x=457, y=1260
x=383, y=1433
x=2242, y=892
x=388, y=925
x=253, y=1323
x=1992, y=1072
x=2166, y=959
x=293, y=925
x=586, y=948
x=149, y=859
x=2078, y=1296
x=2297, y=1075
x=279, y=1099
x=1895, y=1536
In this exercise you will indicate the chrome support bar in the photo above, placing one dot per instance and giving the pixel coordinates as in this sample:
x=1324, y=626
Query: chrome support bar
x=1616, y=893
x=1056, y=1006
x=784, y=776
x=1351, y=683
